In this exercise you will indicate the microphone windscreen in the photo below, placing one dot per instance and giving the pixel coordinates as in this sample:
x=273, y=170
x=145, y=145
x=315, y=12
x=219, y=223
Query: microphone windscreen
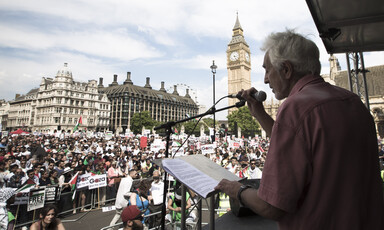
x=261, y=96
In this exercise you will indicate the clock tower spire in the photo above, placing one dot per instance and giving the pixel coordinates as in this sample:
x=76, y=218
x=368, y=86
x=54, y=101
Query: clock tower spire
x=238, y=63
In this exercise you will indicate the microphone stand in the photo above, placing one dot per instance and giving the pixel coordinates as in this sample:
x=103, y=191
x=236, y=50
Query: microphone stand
x=168, y=127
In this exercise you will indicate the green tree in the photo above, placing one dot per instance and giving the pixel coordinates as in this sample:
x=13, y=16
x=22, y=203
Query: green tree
x=189, y=125
x=243, y=118
x=142, y=119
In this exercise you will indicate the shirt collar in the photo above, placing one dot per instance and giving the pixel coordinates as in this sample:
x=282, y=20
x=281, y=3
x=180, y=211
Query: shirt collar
x=305, y=81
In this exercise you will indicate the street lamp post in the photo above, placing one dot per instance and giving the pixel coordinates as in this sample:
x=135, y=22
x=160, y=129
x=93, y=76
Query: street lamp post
x=213, y=69
x=212, y=199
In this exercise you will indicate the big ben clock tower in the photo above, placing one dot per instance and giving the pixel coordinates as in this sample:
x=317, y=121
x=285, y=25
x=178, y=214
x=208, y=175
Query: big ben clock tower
x=238, y=63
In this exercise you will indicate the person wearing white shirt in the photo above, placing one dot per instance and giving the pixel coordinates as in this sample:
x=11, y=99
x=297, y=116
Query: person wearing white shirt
x=253, y=171
x=123, y=194
x=157, y=191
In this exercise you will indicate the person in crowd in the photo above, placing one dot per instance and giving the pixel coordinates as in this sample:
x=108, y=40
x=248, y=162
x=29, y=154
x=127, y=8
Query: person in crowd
x=174, y=206
x=232, y=166
x=156, y=203
x=17, y=179
x=53, y=177
x=65, y=187
x=132, y=218
x=140, y=198
x=123, y=194
x=253, y=171
x=113, y=176
x=321, y=135
x=48, y=219
x=44, y=180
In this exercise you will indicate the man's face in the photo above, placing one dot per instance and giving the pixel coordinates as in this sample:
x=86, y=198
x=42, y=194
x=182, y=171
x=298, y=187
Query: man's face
x=253, y=164
x=31, y=175
x=137, y=225
x=156, y=176
x=23, y=163
x=275, y=79
x=133, y=174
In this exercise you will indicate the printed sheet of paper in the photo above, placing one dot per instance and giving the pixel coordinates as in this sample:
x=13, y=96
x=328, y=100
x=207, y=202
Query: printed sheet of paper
x=199, y=182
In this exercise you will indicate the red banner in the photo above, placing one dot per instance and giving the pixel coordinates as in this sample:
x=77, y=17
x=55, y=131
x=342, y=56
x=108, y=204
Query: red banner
x=143, y=142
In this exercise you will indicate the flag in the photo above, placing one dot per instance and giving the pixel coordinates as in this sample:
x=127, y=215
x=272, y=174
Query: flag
x=176, y=132
x=73, y=183
x=188, y=116
x=79, y=122
x=261, y=149
x=28, y=185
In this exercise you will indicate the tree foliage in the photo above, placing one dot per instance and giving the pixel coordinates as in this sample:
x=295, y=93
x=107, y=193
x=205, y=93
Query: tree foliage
x=243, y=118
x=142, y=119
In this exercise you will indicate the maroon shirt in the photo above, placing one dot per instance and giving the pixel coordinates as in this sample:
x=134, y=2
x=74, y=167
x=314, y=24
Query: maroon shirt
x=322, y=165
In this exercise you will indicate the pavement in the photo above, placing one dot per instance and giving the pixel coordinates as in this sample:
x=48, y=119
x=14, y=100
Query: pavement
x=90, y=220
x=96, y=219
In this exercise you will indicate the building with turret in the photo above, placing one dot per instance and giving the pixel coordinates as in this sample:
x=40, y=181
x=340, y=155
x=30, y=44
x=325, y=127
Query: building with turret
x=58, y=104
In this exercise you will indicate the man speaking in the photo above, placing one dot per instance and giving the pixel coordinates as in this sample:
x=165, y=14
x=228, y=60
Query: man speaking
x=322, y=167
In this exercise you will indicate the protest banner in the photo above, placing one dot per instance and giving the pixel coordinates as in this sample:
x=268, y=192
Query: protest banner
x=36, y=199
x=155, y=147
x=51, y=193
x=208, y=149
x=108, y=135
x=143, y=142
x=97, y=181
x=180, y=152
x=83, y=181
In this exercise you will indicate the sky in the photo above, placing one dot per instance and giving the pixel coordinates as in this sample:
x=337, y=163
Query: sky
x=170, y=40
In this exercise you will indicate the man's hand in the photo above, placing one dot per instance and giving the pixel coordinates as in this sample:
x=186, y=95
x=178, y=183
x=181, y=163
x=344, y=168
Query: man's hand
x=253, y=105
x=229, y=187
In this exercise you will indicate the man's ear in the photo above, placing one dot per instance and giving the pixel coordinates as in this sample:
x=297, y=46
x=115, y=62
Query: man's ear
x=287, y=69
x=130, y=223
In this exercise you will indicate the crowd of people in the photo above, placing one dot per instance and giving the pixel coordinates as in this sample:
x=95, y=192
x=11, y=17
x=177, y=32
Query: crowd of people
x=53, y=160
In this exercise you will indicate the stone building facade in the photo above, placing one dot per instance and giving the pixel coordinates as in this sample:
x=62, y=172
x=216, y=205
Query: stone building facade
x=375, y=85
x=128, y=99
x=58, y=104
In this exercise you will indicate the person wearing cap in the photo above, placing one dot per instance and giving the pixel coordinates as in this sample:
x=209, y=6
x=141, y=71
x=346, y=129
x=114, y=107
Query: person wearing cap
x=132, y=218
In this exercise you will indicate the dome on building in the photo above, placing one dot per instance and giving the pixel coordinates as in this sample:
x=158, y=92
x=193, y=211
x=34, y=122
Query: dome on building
x=64, y=71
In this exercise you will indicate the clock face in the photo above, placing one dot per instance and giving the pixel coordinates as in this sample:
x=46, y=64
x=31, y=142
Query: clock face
x=247, y=57
x=234, y=56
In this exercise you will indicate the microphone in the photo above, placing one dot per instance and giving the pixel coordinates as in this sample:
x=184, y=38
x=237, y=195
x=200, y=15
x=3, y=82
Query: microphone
x=260, y=96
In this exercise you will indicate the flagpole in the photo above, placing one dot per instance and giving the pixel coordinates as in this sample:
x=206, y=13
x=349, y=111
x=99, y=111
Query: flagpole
x=17, y=213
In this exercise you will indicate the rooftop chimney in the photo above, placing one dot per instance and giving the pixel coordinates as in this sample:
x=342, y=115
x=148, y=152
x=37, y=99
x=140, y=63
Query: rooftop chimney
x=187, y=93
x=147, y=85
x=162, y=89
x=101, y=82
x=128, y=80
x=114, y=80
x=175, y=90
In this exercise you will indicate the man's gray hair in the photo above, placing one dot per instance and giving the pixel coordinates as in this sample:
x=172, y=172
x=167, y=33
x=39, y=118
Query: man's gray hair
x=295, y=48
